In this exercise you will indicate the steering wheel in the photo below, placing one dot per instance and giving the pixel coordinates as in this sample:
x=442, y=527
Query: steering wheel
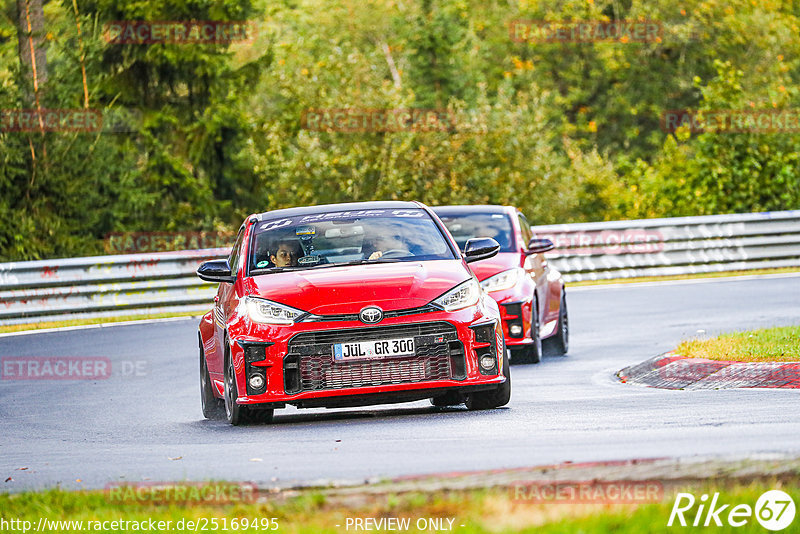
x=396, y=253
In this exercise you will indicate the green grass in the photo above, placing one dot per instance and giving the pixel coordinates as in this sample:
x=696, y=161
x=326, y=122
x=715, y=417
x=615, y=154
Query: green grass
x=780, y=344
x=479, y=511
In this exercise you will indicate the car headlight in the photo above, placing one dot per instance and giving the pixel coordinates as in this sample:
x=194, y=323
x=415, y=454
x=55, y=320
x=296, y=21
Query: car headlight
x=268, y=312
x=463, y=295
x=505, y=280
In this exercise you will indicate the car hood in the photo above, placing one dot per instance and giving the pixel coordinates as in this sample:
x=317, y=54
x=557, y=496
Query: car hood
x=501, y=262
x=348, y=289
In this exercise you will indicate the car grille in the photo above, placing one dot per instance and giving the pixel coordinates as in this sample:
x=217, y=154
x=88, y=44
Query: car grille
x=309, y=364
x=428, y=308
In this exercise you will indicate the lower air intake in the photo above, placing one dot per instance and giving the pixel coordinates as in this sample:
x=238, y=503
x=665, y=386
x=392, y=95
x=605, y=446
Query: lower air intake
x=309, y=365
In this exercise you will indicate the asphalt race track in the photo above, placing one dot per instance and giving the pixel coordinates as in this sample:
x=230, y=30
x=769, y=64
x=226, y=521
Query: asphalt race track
x=144, y=423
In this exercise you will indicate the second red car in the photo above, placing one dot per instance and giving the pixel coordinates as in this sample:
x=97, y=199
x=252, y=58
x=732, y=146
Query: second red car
x=531, y=293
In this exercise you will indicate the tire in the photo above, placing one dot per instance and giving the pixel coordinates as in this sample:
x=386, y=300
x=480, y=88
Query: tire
x=212, y=407
x=237, y=414
x=234, y=413
x=486, y=400
x=531, y=353
x=558, y=344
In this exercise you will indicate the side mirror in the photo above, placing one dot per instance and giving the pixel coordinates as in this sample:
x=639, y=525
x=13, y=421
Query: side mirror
x=537, y=246
x=216, y=271
x=480, y=248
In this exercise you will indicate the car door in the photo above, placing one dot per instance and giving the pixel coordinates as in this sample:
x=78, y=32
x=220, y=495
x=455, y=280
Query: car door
x=536, y=267
x=222, y=303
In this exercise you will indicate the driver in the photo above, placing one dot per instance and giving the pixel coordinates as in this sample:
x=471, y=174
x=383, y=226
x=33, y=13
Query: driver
x=382, y=244
x=286, y=253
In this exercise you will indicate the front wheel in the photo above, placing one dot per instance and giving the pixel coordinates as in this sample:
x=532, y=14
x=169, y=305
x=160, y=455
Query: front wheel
x=485, y=400
x=236, y=413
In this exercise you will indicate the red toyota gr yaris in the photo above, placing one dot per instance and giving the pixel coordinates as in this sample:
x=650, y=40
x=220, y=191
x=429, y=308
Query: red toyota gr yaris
x=349, y=305
x=531, y=293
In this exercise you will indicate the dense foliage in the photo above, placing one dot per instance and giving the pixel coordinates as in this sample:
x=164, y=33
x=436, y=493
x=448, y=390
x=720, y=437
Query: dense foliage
x=566, y=131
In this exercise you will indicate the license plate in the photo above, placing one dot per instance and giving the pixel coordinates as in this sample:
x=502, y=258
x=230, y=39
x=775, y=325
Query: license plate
x=368, y=350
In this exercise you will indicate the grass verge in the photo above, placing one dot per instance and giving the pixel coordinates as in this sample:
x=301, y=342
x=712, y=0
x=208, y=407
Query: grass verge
x=469, y=511
x=781, y=344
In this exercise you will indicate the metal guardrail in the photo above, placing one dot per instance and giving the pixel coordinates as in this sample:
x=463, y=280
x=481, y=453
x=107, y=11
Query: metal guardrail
x=130, y=284
x=165, y=282
x=685, y=245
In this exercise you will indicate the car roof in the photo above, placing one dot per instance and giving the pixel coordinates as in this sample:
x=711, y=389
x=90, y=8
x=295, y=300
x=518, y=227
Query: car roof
x=486, y=208
x=331, y=208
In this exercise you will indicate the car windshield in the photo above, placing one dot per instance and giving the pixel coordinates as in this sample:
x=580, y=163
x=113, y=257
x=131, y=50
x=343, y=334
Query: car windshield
x=465, y=226
x=346, y=238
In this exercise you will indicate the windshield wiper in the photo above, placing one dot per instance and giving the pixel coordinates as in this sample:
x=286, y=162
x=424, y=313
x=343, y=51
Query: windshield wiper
x=277, y=269
x=352, y=262
x=268, y=270
x=365, y=261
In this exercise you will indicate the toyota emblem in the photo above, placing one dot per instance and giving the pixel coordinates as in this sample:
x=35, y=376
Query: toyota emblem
x=371, y=315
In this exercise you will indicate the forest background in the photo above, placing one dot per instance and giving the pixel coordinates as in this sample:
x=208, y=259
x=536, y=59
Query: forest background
x=202, y=134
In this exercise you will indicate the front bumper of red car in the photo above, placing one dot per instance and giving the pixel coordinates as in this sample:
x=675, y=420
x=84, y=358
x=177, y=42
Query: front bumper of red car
x=298, y=367
x=515, y=316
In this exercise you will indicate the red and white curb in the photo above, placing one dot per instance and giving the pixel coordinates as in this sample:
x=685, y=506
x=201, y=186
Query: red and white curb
x=672, y=371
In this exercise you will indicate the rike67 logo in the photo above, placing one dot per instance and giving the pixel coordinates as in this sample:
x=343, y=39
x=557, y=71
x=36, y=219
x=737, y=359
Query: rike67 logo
x=774, y=510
